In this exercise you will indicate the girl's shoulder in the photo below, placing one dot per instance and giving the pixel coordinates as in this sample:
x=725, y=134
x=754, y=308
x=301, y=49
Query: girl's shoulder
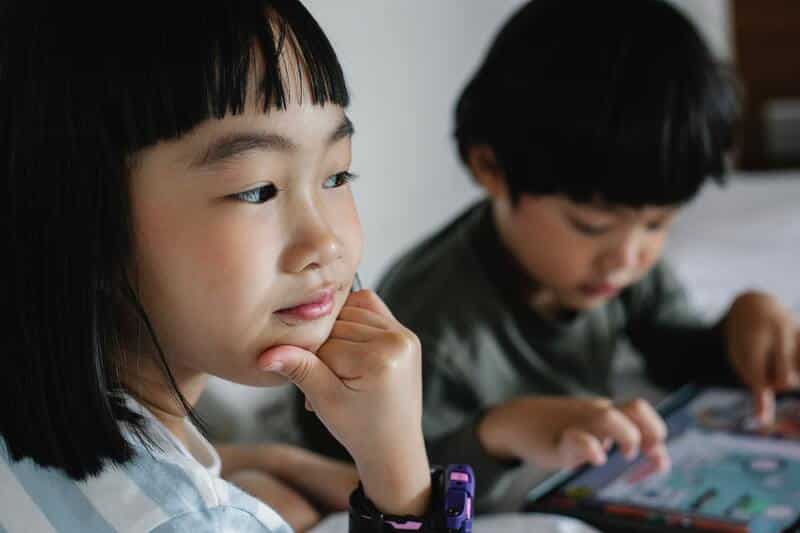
x=162, y=489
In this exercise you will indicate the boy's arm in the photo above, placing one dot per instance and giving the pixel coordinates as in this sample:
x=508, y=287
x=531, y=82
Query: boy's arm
x=678, y=345
x=452, y=412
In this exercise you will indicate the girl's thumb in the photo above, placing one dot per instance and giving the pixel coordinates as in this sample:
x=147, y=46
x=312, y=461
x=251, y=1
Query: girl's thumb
x=299, y=366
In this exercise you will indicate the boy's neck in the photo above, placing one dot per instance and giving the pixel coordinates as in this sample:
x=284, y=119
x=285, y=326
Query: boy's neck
x=540, y=299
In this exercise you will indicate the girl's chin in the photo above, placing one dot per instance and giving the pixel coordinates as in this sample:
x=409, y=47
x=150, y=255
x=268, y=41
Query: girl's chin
x=258, y=378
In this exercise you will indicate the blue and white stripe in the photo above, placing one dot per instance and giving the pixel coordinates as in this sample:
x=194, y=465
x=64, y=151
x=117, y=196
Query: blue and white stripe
x=160, y=491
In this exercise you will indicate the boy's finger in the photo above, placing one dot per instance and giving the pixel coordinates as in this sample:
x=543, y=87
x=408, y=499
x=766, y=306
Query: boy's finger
x=367, y=299
x=784, y=358
x=613, y=424
x=764, y=399
x=302, y=368
x=650, y=424
x=660, y=457
x=796, y=360
x=752, y=358
x=577, y=447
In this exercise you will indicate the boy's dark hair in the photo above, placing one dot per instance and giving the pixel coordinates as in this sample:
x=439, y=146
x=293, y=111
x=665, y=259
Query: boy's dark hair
x=86, y=88
x=619, y=100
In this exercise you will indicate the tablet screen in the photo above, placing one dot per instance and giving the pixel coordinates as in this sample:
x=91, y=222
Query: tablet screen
x=728, y=472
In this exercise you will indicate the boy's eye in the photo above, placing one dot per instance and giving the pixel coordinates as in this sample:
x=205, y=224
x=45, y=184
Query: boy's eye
x=338, y=180
x=656, y=225
x=259, y=195
x=588, y=229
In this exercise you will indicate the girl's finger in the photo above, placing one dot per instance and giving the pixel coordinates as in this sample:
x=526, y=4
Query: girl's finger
x=348, y=360
x=302, y=368
x=363, y=316
x=367, y=299
x=354, y=331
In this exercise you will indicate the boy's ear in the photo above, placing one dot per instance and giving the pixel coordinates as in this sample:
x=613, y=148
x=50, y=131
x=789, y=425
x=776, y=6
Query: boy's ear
x=483, y=164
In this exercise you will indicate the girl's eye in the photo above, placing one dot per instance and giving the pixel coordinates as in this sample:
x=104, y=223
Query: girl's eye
x=588, y=229
x=259, y=195
x=338, y=180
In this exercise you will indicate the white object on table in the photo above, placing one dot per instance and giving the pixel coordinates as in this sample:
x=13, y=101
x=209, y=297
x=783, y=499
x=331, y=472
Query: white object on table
x=499, y=523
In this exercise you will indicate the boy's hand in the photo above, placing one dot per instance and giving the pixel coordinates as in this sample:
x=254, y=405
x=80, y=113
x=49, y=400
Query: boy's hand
x=764, y=347
x=365, y=385
x=565, y=432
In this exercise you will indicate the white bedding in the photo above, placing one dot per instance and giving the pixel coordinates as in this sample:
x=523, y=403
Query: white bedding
x=743, y=235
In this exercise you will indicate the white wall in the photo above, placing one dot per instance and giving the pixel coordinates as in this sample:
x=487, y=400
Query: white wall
x=406, y=62
x=713, y=17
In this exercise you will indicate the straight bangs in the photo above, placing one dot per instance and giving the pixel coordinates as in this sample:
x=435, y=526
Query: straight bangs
x=624, y=103
x=201, y=66
x=86, y=86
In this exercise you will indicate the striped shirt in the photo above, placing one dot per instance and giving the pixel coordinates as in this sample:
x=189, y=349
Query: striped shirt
x=174, y=488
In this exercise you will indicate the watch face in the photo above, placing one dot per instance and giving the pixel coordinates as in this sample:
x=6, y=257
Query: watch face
x=457, y=486
x=459, y=481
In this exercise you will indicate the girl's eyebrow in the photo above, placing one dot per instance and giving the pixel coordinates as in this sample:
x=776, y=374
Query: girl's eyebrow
x=238, y=143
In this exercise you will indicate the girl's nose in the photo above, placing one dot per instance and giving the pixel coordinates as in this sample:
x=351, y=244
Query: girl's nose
x=314, y=245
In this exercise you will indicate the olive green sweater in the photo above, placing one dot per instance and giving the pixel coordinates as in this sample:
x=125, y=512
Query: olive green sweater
x=461, y=292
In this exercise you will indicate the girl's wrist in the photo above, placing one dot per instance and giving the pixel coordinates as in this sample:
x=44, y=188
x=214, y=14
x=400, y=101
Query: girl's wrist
x=398, y=480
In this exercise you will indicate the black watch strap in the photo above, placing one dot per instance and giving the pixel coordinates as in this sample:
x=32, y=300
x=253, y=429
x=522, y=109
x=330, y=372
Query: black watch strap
x=366, y=518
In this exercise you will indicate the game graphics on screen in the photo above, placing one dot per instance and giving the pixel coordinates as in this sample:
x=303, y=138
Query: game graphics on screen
x=726, y=476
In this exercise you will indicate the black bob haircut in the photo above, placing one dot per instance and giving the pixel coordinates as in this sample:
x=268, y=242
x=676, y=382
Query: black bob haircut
x=84, y=89
x=616, y=100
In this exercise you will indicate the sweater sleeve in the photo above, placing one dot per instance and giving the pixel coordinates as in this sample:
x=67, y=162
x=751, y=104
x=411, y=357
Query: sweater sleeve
x=452, y=412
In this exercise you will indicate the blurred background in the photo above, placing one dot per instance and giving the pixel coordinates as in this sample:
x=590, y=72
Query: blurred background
x=406, y=62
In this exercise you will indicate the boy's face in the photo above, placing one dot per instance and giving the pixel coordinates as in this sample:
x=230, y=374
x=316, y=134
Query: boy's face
x=245, y=236
x=581, y=255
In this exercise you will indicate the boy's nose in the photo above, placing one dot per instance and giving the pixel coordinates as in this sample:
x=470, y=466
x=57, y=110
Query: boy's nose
x=624, y=255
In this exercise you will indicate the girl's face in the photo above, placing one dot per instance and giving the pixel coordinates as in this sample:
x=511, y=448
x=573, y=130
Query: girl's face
x=245, y=236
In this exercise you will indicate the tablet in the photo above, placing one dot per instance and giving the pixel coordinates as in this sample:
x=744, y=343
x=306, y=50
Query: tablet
x=729, y=474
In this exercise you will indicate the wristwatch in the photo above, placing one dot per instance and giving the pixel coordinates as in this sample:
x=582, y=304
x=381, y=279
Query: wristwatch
x=451, y=507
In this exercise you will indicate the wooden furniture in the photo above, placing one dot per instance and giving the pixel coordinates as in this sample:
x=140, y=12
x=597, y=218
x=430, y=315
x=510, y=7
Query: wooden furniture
x=766, y=36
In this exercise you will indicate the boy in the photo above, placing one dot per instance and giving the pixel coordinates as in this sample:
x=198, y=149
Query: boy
x=588, y=125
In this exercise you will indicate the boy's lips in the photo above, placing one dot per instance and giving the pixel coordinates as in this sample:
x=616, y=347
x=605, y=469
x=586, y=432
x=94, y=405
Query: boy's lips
x=600, y=290
x=317, y=305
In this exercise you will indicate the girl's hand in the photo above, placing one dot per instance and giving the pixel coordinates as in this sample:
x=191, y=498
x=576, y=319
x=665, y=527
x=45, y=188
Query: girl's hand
x=557, y=433
x=764, y=347
x=365, y=385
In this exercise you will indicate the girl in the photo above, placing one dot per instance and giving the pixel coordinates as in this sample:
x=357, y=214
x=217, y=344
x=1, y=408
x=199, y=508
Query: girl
x=177, y=204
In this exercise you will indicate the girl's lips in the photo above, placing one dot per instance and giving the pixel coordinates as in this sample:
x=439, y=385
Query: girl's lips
x=318, y=306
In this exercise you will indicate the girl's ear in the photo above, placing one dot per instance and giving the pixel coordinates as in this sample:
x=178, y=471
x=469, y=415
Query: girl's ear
x=483, y=164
